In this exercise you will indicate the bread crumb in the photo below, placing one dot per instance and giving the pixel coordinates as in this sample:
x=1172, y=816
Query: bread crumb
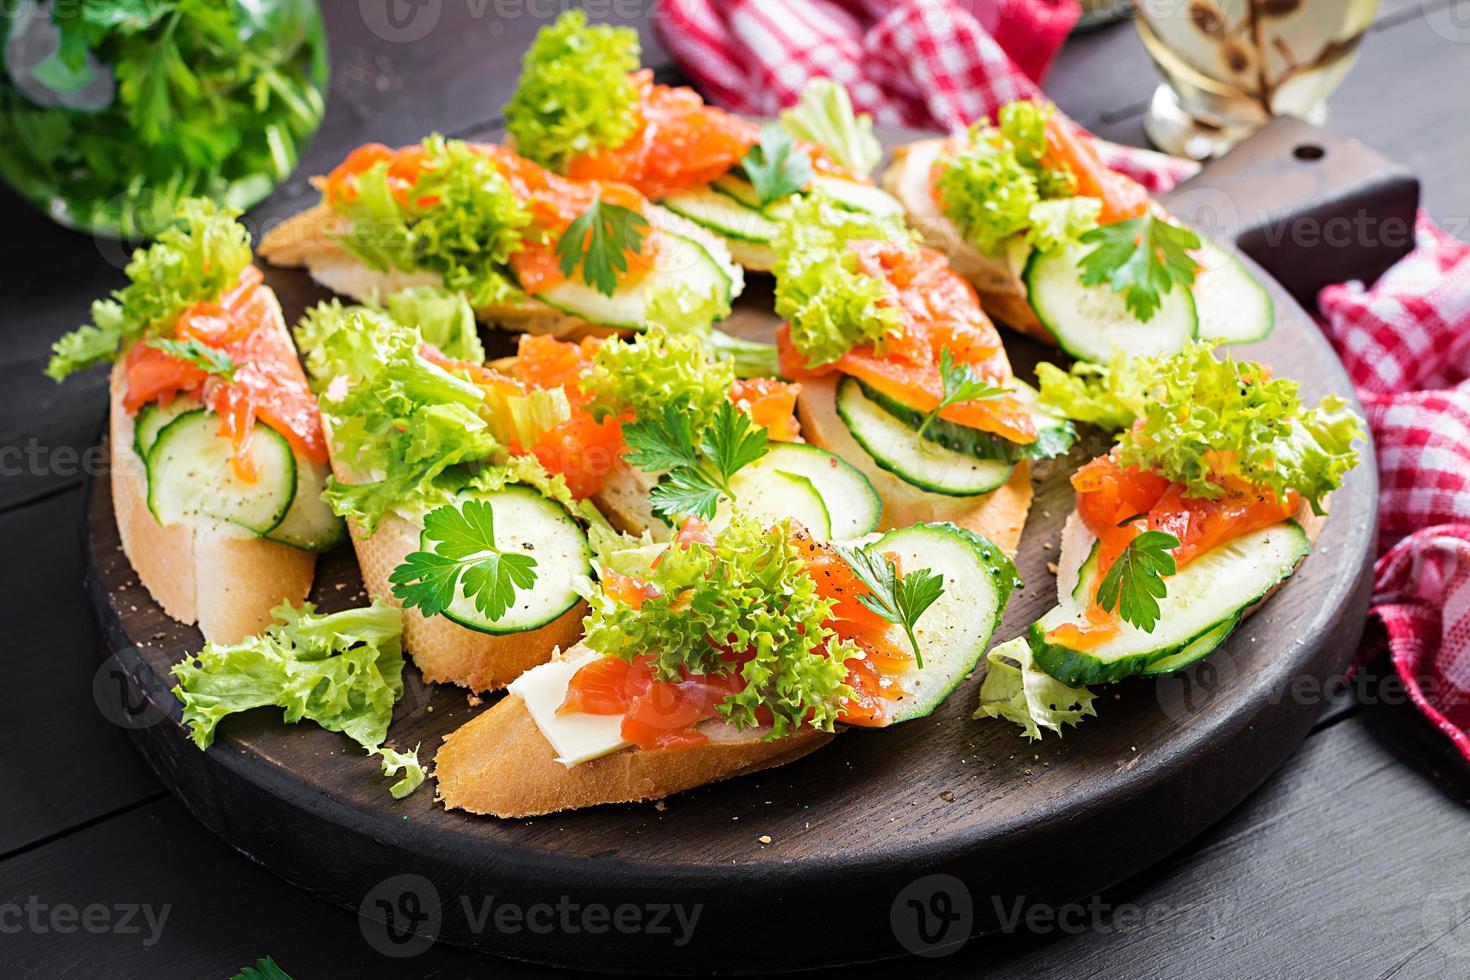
x=1051, y=566
x=475, y=700
x=764, y=838
x=947, y=796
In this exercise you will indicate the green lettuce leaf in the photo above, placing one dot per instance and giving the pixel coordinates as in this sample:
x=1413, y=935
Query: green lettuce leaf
x=655, y=369
x=340, y=340
x=412, y=430
x=342, y=670
x=442, y=317
x=574, y=94
x=823, y=115
x=680, y=309
x=750, y=588
x=1203, y=422
x=995, y=186
x=1055, y=223
x=831, y=306
x=461, y=219
x=196, y=259
x=1017, y=690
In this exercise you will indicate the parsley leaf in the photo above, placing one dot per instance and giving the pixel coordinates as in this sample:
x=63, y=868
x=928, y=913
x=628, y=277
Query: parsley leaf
x=961, y=384
x=899, y=598
x=1135, y=583
x=265, y=968
x=1142, y=258
x=209, y=359
x=699, y=469
x=599, y=240
x=465, y=552
x=776, y=166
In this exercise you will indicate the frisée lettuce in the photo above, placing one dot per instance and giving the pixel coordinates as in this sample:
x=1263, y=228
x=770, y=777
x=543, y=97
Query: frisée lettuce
x=342, y=670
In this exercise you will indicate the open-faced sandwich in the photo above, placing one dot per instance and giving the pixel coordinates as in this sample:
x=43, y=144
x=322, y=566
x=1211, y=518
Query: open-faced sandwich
x=904, y=376
x=530, y=250
x=218, y=460
x=1066, y=250
x=1213, y=495
x=720, y=654
x=483, y=546
x=583, y=109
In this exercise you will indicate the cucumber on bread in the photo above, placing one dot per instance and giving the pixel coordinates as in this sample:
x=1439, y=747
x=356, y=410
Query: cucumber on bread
x=569, y=310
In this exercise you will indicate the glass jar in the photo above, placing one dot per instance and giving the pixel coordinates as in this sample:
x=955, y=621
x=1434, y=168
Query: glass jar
x=112, y=110
x=1231, y=65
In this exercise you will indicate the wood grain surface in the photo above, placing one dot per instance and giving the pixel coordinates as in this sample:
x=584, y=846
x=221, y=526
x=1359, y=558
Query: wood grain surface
x=868, y=819
x=1346, y=861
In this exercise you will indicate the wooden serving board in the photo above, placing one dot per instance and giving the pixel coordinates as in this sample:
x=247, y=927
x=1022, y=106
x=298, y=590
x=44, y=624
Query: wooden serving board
x=885, y=842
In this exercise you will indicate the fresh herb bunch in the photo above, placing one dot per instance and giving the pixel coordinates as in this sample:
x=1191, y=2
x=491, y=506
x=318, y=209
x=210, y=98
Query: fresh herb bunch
x=752, y=591
x=146, y=102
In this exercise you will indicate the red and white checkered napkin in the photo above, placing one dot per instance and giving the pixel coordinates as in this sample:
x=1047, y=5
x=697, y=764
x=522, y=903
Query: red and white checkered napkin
x=939, y=64
x=1406, y=345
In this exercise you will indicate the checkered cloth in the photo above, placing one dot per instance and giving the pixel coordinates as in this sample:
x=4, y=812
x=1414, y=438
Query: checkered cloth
x=939, y=64
x=1406, y=345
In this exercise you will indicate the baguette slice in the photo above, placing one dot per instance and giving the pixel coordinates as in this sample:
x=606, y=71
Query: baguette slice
x=500, y=764
x=998, y=516
x=310, y=240
x=623, y=499
x=998, y=282
x=211, y=573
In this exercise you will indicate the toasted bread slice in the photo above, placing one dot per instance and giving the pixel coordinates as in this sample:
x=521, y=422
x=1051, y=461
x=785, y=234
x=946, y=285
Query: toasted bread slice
x=310, y=240
x=998, y=516
x=212, y=573
x=500, y=764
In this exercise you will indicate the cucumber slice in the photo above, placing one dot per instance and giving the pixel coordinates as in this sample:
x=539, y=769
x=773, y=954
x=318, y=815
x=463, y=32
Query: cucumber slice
x=190, y=476
x=528, y=523
x=1092, y=322
x=772, y=495
x=310, y=524
x=953, y=633
x=853, y=506
x=897, y=448
x=722, y=213
x=627, y=309
x=856, y=196
x=151, y=419
x=1204, y=603
x=1054, y=434
x=1233, y=306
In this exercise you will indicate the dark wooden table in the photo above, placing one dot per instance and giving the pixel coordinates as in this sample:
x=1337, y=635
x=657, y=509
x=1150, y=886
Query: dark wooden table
x=1351, y=861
